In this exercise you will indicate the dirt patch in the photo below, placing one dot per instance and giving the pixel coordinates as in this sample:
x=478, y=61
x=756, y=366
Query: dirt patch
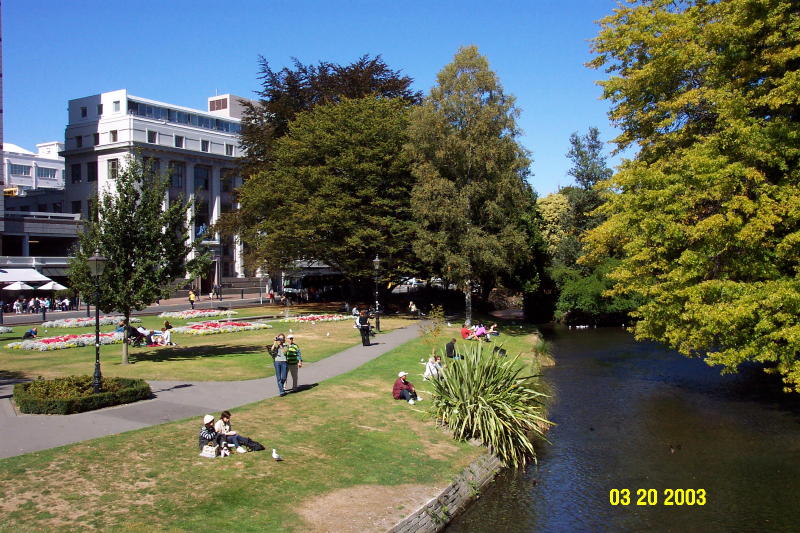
x=364, y=507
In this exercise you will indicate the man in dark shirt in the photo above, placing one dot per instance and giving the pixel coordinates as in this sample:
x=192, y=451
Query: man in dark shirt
x=450, y=349
x=31, y=334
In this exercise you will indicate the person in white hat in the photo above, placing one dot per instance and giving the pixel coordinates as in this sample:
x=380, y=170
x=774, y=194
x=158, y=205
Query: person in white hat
x=207, y=432
x=404, y=390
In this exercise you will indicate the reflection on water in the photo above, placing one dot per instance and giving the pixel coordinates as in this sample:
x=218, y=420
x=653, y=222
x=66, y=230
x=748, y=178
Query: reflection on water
x=636, y=416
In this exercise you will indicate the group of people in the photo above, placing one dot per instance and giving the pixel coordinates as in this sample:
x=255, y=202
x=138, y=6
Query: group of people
x=287, y=359
x=147, y=337
x=220, y=435
x=479, y=332
x=35, y=305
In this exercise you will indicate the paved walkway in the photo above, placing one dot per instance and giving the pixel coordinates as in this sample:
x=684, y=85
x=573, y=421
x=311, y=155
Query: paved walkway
x=174, y=400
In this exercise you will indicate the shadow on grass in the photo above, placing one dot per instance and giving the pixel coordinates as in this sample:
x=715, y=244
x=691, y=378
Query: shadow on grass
x=303, y=388
x=185, y=353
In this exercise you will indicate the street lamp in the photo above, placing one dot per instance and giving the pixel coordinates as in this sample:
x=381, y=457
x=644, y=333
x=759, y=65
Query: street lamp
x=97, y=263
x=377, y=264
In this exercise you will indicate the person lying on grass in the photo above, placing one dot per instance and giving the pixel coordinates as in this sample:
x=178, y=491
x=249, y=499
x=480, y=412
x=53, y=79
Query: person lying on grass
x=404, y=389
x=31, y=334
x=223, y=427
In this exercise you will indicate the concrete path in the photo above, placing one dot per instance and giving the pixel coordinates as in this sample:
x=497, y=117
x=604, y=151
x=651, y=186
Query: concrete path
x=174, y=400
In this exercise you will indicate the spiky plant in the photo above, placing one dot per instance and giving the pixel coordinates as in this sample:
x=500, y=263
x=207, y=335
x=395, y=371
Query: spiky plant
x=484, y=396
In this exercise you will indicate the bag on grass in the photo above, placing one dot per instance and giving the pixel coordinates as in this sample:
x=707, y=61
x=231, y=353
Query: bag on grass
x=210, y=451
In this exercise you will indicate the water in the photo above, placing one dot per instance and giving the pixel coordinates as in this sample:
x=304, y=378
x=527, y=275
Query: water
x=637, y=416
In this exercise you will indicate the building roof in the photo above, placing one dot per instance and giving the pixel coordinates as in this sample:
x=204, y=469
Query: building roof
x=10, y=147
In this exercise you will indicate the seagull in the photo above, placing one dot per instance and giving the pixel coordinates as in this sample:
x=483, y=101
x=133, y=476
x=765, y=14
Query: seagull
x=328, y=334
x=276, y=456
x=290, y=331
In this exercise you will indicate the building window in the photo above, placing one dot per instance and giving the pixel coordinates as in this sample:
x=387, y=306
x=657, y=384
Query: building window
x=96, y=138
x=113, y=168
x=204, y=146
x=179, y=141
x=114, y=136
x=79, y=141
x=99, y=109
x=75, y=173
x=83, y=111
x=226, y=178
x=152, y=136
x=229, y=149
x=216, y=105
x=202, y=176
x=42, y=208
x=177, y=172
x=47, y=173
x=57, y=207
x=152, y=165
x=116, y=106
x=76, y=206
x=91, y=171
x=20, y=170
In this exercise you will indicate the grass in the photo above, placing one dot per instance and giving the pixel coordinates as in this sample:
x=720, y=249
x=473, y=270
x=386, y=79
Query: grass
x=346, y=434
x=223, y=357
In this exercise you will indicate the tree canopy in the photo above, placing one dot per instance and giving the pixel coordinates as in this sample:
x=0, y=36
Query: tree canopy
x=338, y=191
x=706, y=215
x=289, y=91
x=145, y=243
x=471, y=189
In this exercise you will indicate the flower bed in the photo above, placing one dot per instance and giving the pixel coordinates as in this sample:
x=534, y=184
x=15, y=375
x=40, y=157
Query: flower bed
x=316, y=318
x=64, y=341
x=212, y=328
x=197, y=313
x=4, y=329
x=87, y=321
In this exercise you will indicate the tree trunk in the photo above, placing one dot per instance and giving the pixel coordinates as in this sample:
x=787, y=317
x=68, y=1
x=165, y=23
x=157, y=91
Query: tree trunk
x=125, y=338
x=468, y=303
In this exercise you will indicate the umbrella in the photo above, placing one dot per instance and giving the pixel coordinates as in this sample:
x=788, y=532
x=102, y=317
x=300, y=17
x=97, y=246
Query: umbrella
x=51, y=286
x=18, y=286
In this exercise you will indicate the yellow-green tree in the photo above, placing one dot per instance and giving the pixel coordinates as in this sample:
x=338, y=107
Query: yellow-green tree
x=707, y=214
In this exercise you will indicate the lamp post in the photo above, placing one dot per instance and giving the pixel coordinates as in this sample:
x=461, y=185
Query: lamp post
x=97, y=263
x=377, y=264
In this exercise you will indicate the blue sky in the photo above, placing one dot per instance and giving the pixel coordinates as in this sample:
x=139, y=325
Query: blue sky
x=182, y=51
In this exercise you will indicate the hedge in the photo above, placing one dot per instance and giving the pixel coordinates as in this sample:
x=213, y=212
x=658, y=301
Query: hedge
x=73, y=394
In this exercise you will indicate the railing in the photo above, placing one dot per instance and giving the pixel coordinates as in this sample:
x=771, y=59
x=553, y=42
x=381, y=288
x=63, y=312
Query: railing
x=7, y=261
x=42, y=215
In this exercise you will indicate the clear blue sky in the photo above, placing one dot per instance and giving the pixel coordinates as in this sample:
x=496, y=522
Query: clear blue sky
x=182, y=51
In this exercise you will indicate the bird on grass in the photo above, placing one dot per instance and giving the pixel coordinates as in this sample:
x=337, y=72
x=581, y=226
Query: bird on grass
x=276, y=456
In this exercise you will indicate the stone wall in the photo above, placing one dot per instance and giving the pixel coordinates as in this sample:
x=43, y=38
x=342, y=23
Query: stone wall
x=435, y=515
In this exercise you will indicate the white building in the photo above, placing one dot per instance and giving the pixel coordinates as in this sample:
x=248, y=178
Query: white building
x=25, y=171
x=198, y=148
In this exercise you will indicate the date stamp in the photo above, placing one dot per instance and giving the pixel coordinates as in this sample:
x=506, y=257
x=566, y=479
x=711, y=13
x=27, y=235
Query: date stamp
x=652, y=497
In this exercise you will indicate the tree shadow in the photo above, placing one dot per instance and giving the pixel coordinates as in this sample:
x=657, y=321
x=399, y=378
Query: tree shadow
x=187, y=353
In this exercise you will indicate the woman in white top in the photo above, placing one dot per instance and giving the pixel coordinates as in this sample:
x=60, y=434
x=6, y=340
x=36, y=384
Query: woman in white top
x=433, y=368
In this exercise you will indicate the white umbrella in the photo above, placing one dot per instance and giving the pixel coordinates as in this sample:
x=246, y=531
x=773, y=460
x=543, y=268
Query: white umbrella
x=18, y=286
x=51, y=286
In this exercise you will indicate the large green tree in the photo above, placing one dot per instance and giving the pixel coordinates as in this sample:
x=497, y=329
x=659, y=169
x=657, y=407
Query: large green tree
x=707, y=214
x=471, y=193
x=338, y=192
x=289, y=91
x=144, y=241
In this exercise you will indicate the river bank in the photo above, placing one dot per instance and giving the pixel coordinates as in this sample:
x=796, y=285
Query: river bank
x=350, y=452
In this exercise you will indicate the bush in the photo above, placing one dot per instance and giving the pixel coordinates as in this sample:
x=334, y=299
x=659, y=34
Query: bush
x=73, y=394
x=483, y=396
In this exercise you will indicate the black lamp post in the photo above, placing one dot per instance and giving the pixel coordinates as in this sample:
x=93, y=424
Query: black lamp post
x=97, y=263
x=377, y=264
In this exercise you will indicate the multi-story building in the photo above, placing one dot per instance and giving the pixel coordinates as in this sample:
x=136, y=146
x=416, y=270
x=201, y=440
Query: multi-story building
x=27, y=172
x=196, y=148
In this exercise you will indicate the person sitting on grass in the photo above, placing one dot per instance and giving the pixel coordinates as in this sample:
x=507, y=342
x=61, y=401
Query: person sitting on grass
x=31, y=334
x=466, y=332
x=433, y=368
x=208, y=434
x=480, y=333
x=492, y=331
x=404, y=389
x=223, y=427
x=450, y=350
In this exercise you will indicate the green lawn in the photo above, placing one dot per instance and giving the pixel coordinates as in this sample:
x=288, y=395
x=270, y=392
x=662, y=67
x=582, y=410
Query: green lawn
x=347, y=436
x=223, y=357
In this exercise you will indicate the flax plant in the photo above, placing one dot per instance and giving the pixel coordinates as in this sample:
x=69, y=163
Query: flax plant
x=484, y=396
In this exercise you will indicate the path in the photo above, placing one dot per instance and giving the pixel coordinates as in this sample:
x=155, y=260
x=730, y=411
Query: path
x=174, y=400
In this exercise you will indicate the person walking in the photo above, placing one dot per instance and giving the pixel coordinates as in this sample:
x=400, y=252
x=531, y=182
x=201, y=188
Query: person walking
x=294, y=360
x=278, y=353
x=363, y=327
x=192, y=298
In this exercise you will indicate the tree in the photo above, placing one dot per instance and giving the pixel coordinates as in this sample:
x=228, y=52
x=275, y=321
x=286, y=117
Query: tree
x=145, y=242
x=471, y=176
x=338, y=191
x=706, y=215
x=287, y=92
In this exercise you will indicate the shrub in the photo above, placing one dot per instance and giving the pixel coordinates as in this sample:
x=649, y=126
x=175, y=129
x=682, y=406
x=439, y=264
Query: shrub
x=73, y=394
x=483, y=396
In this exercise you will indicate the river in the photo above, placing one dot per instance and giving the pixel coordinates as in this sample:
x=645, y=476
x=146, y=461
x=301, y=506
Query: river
x=634, y=415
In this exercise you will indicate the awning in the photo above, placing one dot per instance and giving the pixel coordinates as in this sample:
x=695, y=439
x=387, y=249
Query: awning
x=8, y=275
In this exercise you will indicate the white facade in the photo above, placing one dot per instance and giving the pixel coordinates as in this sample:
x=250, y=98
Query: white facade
x=26, y=171
x=197, y=148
